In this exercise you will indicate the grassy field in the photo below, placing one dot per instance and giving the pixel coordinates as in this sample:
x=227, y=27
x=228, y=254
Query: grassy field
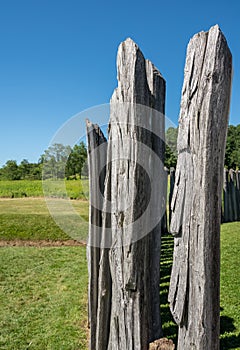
x=43, y=291
x=230, y=286
x=76, y=189
x=43, y=298
x=29, y=218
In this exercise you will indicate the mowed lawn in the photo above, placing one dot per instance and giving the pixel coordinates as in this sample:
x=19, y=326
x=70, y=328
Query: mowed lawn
x=29, y=218
x=43, y=291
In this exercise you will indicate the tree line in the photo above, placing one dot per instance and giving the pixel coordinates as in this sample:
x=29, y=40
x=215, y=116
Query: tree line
x=232, y=156
x=60, y=161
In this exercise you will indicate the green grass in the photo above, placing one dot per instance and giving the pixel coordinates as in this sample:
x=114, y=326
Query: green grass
x=230, y=289
x=76, y=189
x=29, y=218
x=41, y=283
x=230, y=286
x=43, y=298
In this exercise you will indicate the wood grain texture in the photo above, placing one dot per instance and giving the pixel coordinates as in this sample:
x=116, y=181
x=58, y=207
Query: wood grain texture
x=135, y=314
x=172, y=182
x=127, y=276
x=196, y=201
x=96, y=162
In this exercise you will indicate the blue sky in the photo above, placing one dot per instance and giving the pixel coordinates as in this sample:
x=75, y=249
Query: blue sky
x=58, y=58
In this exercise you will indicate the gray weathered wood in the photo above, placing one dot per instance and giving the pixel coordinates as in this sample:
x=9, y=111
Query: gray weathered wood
x=164, y=224
x=96, y=162
x=196, y=202
x=172, y=182
x=226, y=217
x=132, y=290
x=238, y=192
x=233, y=194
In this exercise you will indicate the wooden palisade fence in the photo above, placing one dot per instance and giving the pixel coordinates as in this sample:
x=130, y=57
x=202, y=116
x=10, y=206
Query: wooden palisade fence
x=231, y=196
x=128, y=182
x=194, y=293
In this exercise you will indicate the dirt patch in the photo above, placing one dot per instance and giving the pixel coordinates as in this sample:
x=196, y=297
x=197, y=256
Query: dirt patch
x=40, y=243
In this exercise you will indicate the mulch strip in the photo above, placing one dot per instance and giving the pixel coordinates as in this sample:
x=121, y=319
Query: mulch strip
x=40, y=243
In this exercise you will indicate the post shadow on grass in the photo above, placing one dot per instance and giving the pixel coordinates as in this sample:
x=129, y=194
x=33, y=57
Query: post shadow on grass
x=170, y=328
x=230, y=341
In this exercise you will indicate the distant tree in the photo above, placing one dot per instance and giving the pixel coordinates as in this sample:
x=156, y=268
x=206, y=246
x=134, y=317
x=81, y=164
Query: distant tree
x=55, y=160
x=232, y=157
x=171, y=147
x=10, y=171
x=24, y=169
x=35, y=171
x=76, y=160
x=30, y=171
x=85, y=169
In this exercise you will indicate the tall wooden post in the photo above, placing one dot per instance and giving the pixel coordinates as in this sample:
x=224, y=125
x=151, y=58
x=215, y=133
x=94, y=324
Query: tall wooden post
x=128, y=303
x=196, y=203
x=172, y=182
x=226, y=196
x=135, y=250
x=97, y=155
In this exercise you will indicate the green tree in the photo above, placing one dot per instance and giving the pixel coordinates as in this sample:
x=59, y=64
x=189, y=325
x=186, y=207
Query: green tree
x=171, y=147
x=232, y=157
x=10, y=170
x=76, y=160
x=55, y=160
x=24, y=169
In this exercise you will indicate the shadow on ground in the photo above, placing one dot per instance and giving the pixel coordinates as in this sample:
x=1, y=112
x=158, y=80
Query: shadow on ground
x=228, y=340
x=169, y=327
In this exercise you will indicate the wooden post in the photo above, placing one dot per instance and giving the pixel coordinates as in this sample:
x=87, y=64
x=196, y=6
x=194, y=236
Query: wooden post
x=96, y=164
x=127, y=277
x=233, y=194
x=238, y=192
x=172, y=182
x=164, y=224
x=226, y=196
x=196, y=203
x=135, y=258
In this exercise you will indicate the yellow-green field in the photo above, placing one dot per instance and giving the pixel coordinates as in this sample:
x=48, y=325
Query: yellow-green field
x=74, y=189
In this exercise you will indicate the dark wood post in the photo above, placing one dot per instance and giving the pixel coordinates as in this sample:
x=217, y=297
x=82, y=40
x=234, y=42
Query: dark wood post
x=97, y=155
x=172, y=182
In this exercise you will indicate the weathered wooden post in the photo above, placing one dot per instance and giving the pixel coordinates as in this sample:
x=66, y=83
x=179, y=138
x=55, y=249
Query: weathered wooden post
x=196, y=203
x=233, y=194
x=226, y=197
x=172, y=182
x=128, y=303
x=164, y=225
x=97, y=155
x=238, y=192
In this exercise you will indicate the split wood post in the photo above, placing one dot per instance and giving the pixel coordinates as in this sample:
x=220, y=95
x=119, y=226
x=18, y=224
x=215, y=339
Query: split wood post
x=196, y=203
x=172, y=182
x=97, y=154
x=226, y=196
x=233, y=194
x=238, y=192
x=128, y=306
x=164, y=224
x=134, y=254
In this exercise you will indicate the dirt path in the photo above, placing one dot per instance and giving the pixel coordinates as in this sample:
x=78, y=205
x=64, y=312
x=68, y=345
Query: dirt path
x=40, y=243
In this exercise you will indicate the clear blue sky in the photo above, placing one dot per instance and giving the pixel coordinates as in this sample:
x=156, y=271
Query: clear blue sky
x=58, y=57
